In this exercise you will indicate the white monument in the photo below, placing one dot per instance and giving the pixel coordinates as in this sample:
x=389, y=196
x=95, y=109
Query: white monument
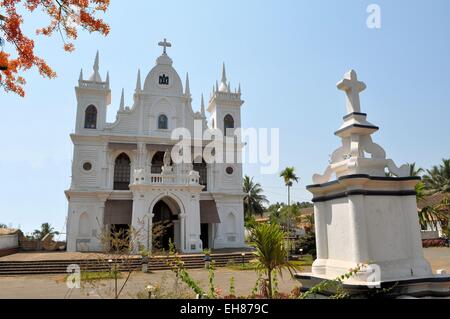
x=368, y=213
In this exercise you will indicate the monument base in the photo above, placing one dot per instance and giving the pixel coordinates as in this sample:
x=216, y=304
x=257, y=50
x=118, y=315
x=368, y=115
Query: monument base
x=437, y=286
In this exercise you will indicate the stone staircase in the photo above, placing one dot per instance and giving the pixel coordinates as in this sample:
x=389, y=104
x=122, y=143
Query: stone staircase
x=197, y=261
x=60, y=266
x=42, y=267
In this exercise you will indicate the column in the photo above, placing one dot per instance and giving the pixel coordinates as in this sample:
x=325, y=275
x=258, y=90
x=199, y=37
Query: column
x=321, y=238
x=358, y=229
x=141, y=223
x=182, y=232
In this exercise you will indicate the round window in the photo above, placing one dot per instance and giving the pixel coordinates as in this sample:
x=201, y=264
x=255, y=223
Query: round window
x=87, y=166
x=230, y=170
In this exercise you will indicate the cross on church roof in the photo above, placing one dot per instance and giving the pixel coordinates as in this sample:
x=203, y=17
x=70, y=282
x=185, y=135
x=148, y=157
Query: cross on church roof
x=165, y=45
x=352, y=87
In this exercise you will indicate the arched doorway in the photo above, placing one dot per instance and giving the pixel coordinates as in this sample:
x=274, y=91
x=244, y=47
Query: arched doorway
x=165, y=224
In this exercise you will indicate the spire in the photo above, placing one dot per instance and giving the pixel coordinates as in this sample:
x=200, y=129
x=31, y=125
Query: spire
x=95, y=77
x=122, y=101
x=138, y=82
x=202, y=108
x=229, y=87
x=239, y=89
x=217, y=86
x=97, y=62
x=223, y=84
x=224, y=74
x=107, y=78
x=81, y=75
x=188, y=89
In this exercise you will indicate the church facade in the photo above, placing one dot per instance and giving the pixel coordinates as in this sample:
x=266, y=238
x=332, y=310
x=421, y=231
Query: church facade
x=124, y=175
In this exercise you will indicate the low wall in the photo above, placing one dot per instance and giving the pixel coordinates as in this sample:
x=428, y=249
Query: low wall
x=430, y=234
x=9, y=244
x=9, y=241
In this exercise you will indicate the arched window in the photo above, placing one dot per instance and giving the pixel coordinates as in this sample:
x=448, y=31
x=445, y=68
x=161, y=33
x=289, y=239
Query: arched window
x=90, y=117
x=228, y=123
x=231, y=224
x=157, y=163
x=122, y=172
x=163, y=123
x=202, y=168
x=83, y=225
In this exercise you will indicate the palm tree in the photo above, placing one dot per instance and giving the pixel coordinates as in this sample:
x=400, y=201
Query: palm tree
x=289, y=177
x=46, y=228
x=254, y=199
x=437, y=178
x=415, y=171
x=271, y=254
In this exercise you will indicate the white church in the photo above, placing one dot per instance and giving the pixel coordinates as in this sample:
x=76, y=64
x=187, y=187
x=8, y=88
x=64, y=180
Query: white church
x=123, y=176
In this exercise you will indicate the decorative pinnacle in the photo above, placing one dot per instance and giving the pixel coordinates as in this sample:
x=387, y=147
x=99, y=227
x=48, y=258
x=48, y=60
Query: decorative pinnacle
x=122, y=101
x=188, y=89
x=224, y=74
x=202, y=107
x=138, y=81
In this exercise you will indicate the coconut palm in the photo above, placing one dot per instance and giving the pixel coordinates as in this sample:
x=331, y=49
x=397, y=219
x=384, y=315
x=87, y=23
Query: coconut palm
x=437, y=178
x=271, y=253
x=414, y=170
x=46, y=228
x=254, y=199
x=289, y=177
x=435, y=215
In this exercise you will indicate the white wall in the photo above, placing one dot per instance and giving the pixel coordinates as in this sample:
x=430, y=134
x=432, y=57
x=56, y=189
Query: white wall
x=9, y=241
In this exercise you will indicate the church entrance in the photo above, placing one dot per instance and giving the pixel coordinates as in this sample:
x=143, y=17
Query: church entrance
x=204, y=235
x=163, y=230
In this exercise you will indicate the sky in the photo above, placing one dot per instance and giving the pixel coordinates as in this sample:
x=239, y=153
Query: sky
x=288, y=56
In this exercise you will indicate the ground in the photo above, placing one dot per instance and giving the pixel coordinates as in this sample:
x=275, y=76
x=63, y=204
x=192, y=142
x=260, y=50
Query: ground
x=54, y=286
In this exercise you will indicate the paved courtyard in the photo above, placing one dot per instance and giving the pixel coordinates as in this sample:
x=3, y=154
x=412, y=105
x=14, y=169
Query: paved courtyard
x=54, y=286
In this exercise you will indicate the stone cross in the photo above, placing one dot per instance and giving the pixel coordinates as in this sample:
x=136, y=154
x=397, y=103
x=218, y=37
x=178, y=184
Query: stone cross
x=352, y=87
x=165, y=45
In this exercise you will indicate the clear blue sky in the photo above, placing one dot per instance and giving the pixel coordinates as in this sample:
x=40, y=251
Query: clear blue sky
x=288, y=55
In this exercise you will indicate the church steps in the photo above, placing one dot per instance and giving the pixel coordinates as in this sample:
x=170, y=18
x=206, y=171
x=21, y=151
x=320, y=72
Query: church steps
x=155, y=263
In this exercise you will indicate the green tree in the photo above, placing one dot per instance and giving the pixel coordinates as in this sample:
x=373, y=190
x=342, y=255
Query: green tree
x=414, y=170
x=3, y=226
x=254, y=199
x=289, y=177
x=46, y=228
x=271, y=254
x=437, y=179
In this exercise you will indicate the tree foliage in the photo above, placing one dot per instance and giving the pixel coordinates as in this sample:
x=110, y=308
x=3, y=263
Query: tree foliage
x=437, y=179
x=65, y=17
x=271, y=253
x=46, y=229
x=254, y=199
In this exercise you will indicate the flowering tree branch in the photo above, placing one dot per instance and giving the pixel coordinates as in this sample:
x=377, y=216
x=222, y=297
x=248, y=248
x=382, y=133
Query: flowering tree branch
x=65, y=17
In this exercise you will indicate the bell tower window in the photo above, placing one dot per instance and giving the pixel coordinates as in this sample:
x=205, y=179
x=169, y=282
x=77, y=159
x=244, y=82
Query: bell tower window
x=228, y=123
x=90, y=117
x=163, y=122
